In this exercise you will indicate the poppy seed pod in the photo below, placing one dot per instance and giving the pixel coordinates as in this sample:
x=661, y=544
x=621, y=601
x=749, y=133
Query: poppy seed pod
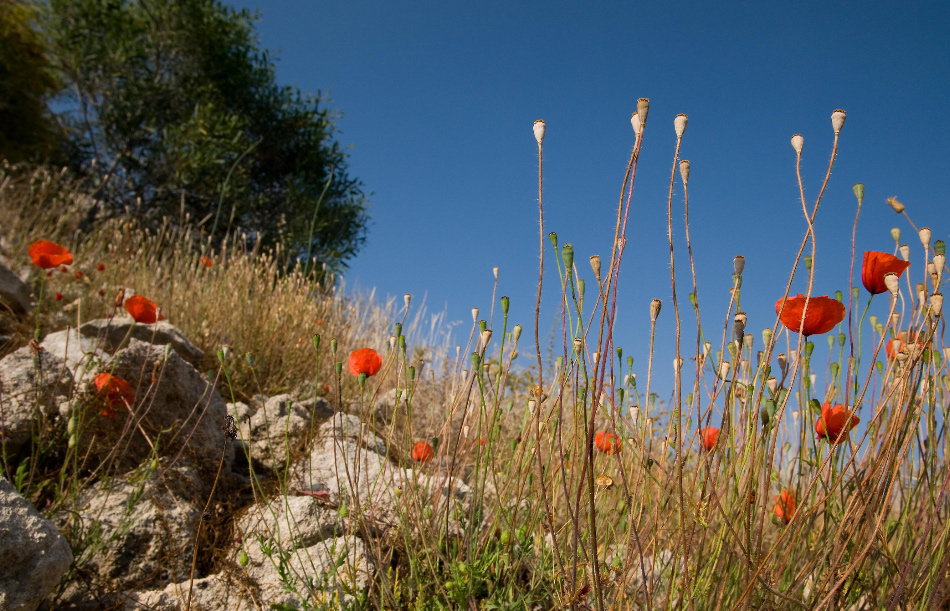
x=772, y=383
x=739, y=324
x=684, y=171
x=724, y=368
x=596, y=358
x=539, y=130
x=896, y=205
x=798, y=141
x=595, y=265
x=516, y=333
x=858, y=189
x=474, y=315
x=747, y=340
x=505, y=303
x=739, y=264
x=643, y=109
x=578, y=344
x=905, y=252
x=936, y=303
x=567, y=253
x=484, y=337
x=655, y=306
x=635, y=123
x=892, y=282
x=679, y=124
x=677, y=364
x=837, y=120
x=494, y=272
x=896, y=234
x=767, y=337
x=924, y=236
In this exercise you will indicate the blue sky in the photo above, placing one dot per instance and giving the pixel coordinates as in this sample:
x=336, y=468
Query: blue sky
x=438, y=101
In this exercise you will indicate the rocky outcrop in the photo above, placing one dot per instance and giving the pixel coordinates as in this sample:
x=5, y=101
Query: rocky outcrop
x=110, y=334
x=35, y=387
x=14, y=293
x=35, y=555
x=279, y=427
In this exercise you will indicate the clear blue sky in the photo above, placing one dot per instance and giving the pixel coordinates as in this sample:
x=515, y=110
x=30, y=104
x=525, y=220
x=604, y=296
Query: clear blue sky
x=438, y=101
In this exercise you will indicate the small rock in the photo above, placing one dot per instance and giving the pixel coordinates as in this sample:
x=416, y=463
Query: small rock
x=31, y=390
x=14, y=293
x=112, y=332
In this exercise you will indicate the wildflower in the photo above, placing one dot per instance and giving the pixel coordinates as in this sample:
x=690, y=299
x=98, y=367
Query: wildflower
x=102, y=292
x=422, y=452
x=822, y=315
x=785, y=507
x=49, y=255
x=207, y=262
x=896, y=345
x=63, y=269
x=101, y=267
x=114, y=391
x=608, y=443
x=59, y=296
x=78, y=275
x=709, y=436
x=365, y=360
x=326, y=388
x=143, y=310
x=834, y=423
x=876, y=265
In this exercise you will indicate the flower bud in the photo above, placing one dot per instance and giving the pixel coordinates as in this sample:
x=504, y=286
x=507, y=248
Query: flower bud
x=892, y=282
x=858, y=189
x=798, y=141
x=837, y=120
x=595, y=265
x=643, y=108
x=679, y=124
x=539, y=130
x=655, y=306
x=925, y=236
x=896, y=205
x=896, y=234
x=684, y=171
x=905, y=252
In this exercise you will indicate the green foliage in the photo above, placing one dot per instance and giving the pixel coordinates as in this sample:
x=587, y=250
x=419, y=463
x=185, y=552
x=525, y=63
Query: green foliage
x=179, y=109
x=27, y=130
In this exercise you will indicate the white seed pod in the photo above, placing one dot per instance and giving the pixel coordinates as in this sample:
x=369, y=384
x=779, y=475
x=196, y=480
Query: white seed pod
x=936, y=303
x=782, y=361
x=516, y=333
x=905, y=252
x=679, y=124
x=924, y=234
x=813, y=378
x=707, y=348
x=892, y=282
x=596, y=357
x=531, y=406
x=635, y=123
x=798, y=141
x=772, y=383
x=837, y=120
x=474, y=315
x=677, y=364
x=896, y=234
x=684, y=171
x=484, y=337
x=643, y=109
x=655, y=307
x=595, y=265
x=465, y=430
x=738, y=263
x=578, y=344
x=793, y=356
x=406, y=299
x=747, y=340
x=539, y=130
x=895, y=319
x=494, y=271
x=392, y=342
x=895, y=205
x=724, y=368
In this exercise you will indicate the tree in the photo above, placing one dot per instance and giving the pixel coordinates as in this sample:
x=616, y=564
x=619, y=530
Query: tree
x=27, y=130
x=179, y=109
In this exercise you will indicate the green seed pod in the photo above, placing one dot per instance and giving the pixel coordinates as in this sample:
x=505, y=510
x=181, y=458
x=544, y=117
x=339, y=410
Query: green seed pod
x=398, y=329
x=553, y=237
x=402, y=343
x=339, y=368
x=940, y=248
x=692, y=299
x=620, y=354
x=834, y=368
x=842, y=338
x=855, y=293
x=333, y=346
x=767, y=337
x=249, y=358
x=630, y=362
x=831, y=341
x=567, y=253
x=482, y=325
x=880, y=367
x=620, y=395
x=858, y=189
x=72, y=442
x=412, y=373
x=505, y=537
x=839, y=296
x=809, y=348
x=71, y=425
x=505, y=302
x=807, y=261
x=242, y=558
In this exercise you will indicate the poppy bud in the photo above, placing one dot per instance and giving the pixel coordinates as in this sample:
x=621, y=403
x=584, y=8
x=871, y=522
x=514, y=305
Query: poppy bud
x=896, y=205
x=504, y=305
x=655, y=306
x=896, y=235
x=59, y=296
x=738, y=263
x=635, y=123
x=925, y=236
x=643, y=109
x=858, y=189
x=936, y=303
x=567, y=253
x=595, y=265
x=539, y=130
x=837, y=120
x=406, y=299
x=684, y=171
x=905, y=252
x=798, y=141
x=679, y=124
x=892, y=282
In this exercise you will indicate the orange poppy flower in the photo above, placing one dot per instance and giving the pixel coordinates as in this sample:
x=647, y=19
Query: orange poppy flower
x=326, y=388
x=422, y=452
x=834, y=423
x=822, y=315
x=49, y=255
x=708, y=437
x=63, y=269
x=58, y=296
x=206, y=261
x=785, y=507
x=608, y=443
x=102, y=293
x=101, y=267
x=143, y=310
x=365, y=360
x=876, y=265
x=114, y=391
x=894, y=345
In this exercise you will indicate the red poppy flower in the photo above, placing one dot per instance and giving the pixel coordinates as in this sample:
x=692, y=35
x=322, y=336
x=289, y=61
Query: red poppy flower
x=49, y=255
x=834, y=423
x=422, y=452
x=101, y=267
x=608, y=443
x=206, y=261
x=63, y=269
x=59, y=296
x=822, y=315
x=326, y=388
x=482, y=441
x=143, y=310
x=78, y=274
x=114, y=391
x=708, y=438
x=894, y=345
x=365, y=360
x=876, y=264
x=785, y=507
x=102, y=293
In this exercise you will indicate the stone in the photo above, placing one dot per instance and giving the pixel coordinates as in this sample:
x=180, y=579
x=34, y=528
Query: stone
x=207, y=594
x=36, y=387
x=82, y=354
x=114, y=332
x=278, y=427
x=35, y=555
x=14, y=293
